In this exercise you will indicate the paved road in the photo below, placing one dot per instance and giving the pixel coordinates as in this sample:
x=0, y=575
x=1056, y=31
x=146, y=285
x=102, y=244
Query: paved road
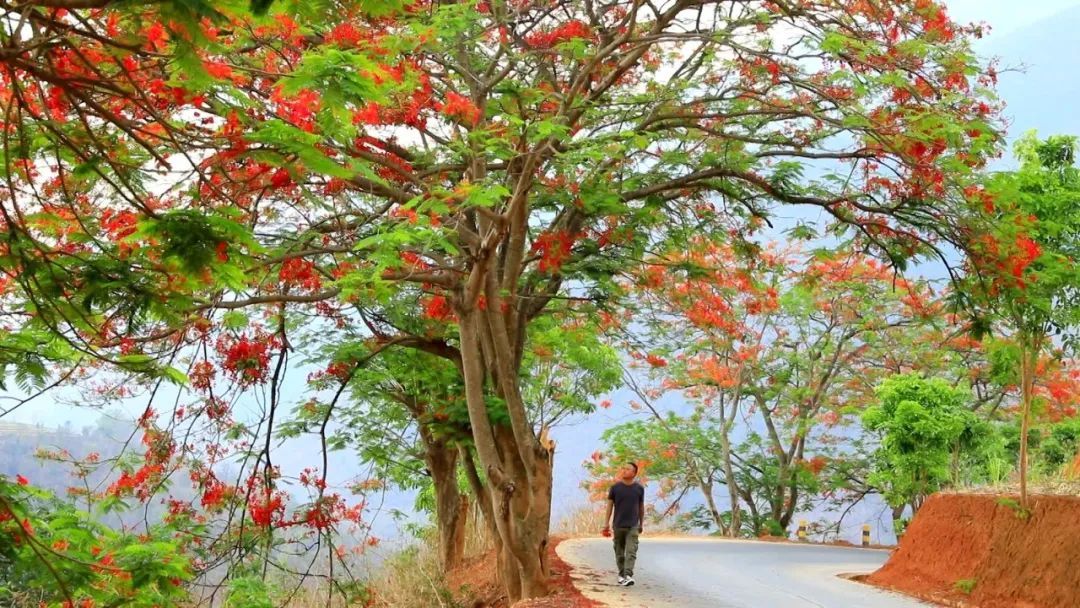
x=708, y=573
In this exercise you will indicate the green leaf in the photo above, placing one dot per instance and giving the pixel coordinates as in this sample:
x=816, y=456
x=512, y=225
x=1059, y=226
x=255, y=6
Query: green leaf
x=234, y=319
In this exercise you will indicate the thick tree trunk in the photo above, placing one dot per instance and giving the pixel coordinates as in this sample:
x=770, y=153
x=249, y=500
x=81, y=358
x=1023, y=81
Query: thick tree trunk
x=523, y=516
x=516, y=464
x=481, y=492
x=450, y=517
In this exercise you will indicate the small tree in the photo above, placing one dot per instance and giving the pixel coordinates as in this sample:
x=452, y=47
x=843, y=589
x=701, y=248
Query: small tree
x=922, y=425
x=1025, y=268
x=776, y=353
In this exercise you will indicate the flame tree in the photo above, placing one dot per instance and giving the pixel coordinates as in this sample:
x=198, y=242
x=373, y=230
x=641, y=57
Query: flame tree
x=188, y=182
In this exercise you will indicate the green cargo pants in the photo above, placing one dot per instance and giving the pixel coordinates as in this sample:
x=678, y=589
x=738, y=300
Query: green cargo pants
x=626, y=543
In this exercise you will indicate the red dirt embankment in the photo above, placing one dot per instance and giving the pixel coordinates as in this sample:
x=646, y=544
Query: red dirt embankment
x=975, y=550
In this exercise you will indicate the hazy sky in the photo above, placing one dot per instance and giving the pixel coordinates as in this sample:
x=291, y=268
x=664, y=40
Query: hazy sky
x=1006, y=15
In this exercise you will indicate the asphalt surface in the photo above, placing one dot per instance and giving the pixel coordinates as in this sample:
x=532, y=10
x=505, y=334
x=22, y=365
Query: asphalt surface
x=711, y=573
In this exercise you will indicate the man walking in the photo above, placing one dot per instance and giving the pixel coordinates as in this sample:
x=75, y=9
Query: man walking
x=626, y=499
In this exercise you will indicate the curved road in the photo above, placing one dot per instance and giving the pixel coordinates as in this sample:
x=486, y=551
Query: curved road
x=712, y=573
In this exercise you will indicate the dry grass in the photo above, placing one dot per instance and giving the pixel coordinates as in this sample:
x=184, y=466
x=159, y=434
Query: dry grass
x=412, y=578
x=586, y=520
x=477, y=536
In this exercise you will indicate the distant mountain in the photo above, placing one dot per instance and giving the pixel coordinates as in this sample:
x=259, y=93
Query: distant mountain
x=1046, y=96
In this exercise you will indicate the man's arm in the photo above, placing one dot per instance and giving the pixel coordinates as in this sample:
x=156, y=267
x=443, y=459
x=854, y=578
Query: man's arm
x=641, y=512
x=607, y=517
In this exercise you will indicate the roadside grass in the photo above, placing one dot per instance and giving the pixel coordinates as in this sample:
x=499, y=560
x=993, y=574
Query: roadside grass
x=412, y=578
x=1063, y=482
x=588, y=519
x=965, y=585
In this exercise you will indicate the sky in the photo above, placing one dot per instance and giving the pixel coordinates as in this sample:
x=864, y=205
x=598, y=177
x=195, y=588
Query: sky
x=1042, y=36
x=1007, y=16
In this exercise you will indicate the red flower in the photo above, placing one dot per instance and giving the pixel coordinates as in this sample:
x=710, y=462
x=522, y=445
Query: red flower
x=299, y=109
x=155, y=36
x=119, y=225
x=246, y=360
x=368, y=115
x=214, y=494
x=22, y=481
x=438, y=308
x=462, y=108
x=300, y=272
x=554, y=249
x=344, y=34
x=1029, y=251
x=218, y=70
x=267, y=512
x=202, y=375
x=655, y=360
x=571, y=30
x=281, y=178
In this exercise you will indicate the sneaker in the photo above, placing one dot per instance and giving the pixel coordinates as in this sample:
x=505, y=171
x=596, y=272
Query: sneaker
x=622, y=579
x=627, y=581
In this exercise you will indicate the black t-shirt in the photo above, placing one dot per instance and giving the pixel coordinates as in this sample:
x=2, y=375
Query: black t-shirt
x=628, y=499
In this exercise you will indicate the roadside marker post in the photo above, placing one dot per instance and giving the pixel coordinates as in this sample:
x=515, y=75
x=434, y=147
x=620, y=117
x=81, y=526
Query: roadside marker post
x=866, y=535
x=802, y=530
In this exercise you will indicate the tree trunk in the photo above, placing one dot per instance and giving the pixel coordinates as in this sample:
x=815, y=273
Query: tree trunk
x=1029, y=351
x=735, y=527
x=516, y=463
x=706, y=490
x=523, y=517
x=450, y=517
x=897, y=516
x=480, y=491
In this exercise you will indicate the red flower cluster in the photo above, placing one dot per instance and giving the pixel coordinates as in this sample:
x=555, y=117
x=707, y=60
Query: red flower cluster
x=215, y=493
x=219, y=70
x=300, y=109
x=571, y=30
x=134, y=484
x=329, y=510
x=119, y=225
x=655, y=360
x=1028, y=252
x=977, y=194
x=202, y=375
x=246, y=360
x=344, y=35
x=438, y=308
x=554, y=249
x=299, y=272
x=280, y=179
x=936, y=21
x=461, y=108
x=413, y=260
x=367, y=115
x=268, y=511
